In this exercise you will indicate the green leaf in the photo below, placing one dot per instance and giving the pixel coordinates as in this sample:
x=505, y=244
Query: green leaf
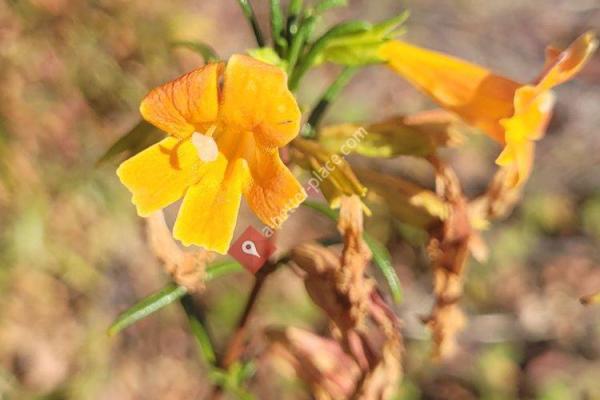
x=298, y=41
x=207, y=52
x=322, y=208
x=383, y=260
x=222, y=268
x=269, y=56
x=166, y=296
x=293, y=19
x=381, y=255
x=137, y=139
x=205, y=347
x=147, y=306
x=315, y=50
x=277, y=27
x=252, y=20
x=326, y=5
x=309, y=130
x=232, y=380
x=360, y=48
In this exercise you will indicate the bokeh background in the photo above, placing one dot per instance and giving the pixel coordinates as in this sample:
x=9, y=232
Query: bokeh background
x=73, y=253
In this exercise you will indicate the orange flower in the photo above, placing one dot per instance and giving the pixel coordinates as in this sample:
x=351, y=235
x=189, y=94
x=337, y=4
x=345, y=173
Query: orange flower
x=225, y=125
x=515, y=114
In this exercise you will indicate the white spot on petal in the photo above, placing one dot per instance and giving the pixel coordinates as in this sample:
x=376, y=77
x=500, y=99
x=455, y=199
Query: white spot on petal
x=547, y=102
x=206, y=147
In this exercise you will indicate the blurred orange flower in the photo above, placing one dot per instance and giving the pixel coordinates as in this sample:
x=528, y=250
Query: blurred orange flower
x=225, y=124
x=514, y=114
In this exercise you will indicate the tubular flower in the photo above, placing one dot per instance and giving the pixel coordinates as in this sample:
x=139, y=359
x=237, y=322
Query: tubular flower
x=514, y=114
x=225, y=123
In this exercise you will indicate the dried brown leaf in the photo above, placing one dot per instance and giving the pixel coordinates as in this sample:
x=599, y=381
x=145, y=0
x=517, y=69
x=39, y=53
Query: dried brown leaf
x=320, y=362
x=448, y=250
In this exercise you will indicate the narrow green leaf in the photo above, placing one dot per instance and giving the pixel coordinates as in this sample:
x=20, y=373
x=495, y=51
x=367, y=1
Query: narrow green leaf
x=147, y=306
x=322, y=208
x=383, y=260
x=207, y=52
x=293, y=19
x=137, y=139
x=298, y=42
x=203, y=341
x=279, y=41
x=166, y=296
x=326, y=5
x=362, y=47
x=332, y=92
x=269, y=56
x=315, y=50
x=381, y=255
x=222, y=268
x=251, y=17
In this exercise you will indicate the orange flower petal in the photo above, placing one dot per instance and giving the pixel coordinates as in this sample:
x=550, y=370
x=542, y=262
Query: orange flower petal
x=518, y=154
x=187, y=104
x=256, y=98
x=560, y=67
x=159, y=175
x=480, y=97
x=274, y=190
x=209, y=210
x=532, y=114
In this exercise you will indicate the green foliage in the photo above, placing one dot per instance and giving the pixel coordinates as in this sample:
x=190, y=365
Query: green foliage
x=166, y=296
x=203, y=49
x=233, y=379
x=383, y=259
x=251, y=17
x=137, y=139
x=352, y=43
x=326, y=5
x=360, y=47
x=381, y=255
x=147, y=306
x=268, y=55
x=277, y=23
x=219, y=269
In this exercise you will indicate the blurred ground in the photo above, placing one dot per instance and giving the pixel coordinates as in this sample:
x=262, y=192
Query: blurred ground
x=72, y=252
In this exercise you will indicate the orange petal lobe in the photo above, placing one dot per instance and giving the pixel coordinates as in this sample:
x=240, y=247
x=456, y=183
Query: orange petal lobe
x=562, y=66
x=209, y=211
x=532, y=114
x=256, y=98
x=274, y=190
x=187, y=104
x=159, y=175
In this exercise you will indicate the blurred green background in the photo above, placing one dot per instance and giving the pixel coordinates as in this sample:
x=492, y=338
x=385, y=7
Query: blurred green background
x=73, y=253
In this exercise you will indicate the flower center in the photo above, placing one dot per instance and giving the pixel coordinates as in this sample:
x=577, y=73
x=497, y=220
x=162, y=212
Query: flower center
x=205, y=145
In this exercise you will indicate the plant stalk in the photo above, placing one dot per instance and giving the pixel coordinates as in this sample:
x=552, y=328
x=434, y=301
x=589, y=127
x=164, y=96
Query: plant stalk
x=251, y=17
x=333, y=91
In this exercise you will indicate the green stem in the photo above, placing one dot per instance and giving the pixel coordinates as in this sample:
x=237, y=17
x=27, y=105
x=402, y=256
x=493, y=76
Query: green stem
x=251, y=17
x=297, y=43
x=332, y=92
x=293, y=19
x=279, y=42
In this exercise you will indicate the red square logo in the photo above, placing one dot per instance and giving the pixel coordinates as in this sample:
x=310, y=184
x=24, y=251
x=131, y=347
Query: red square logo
x=252, y=249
